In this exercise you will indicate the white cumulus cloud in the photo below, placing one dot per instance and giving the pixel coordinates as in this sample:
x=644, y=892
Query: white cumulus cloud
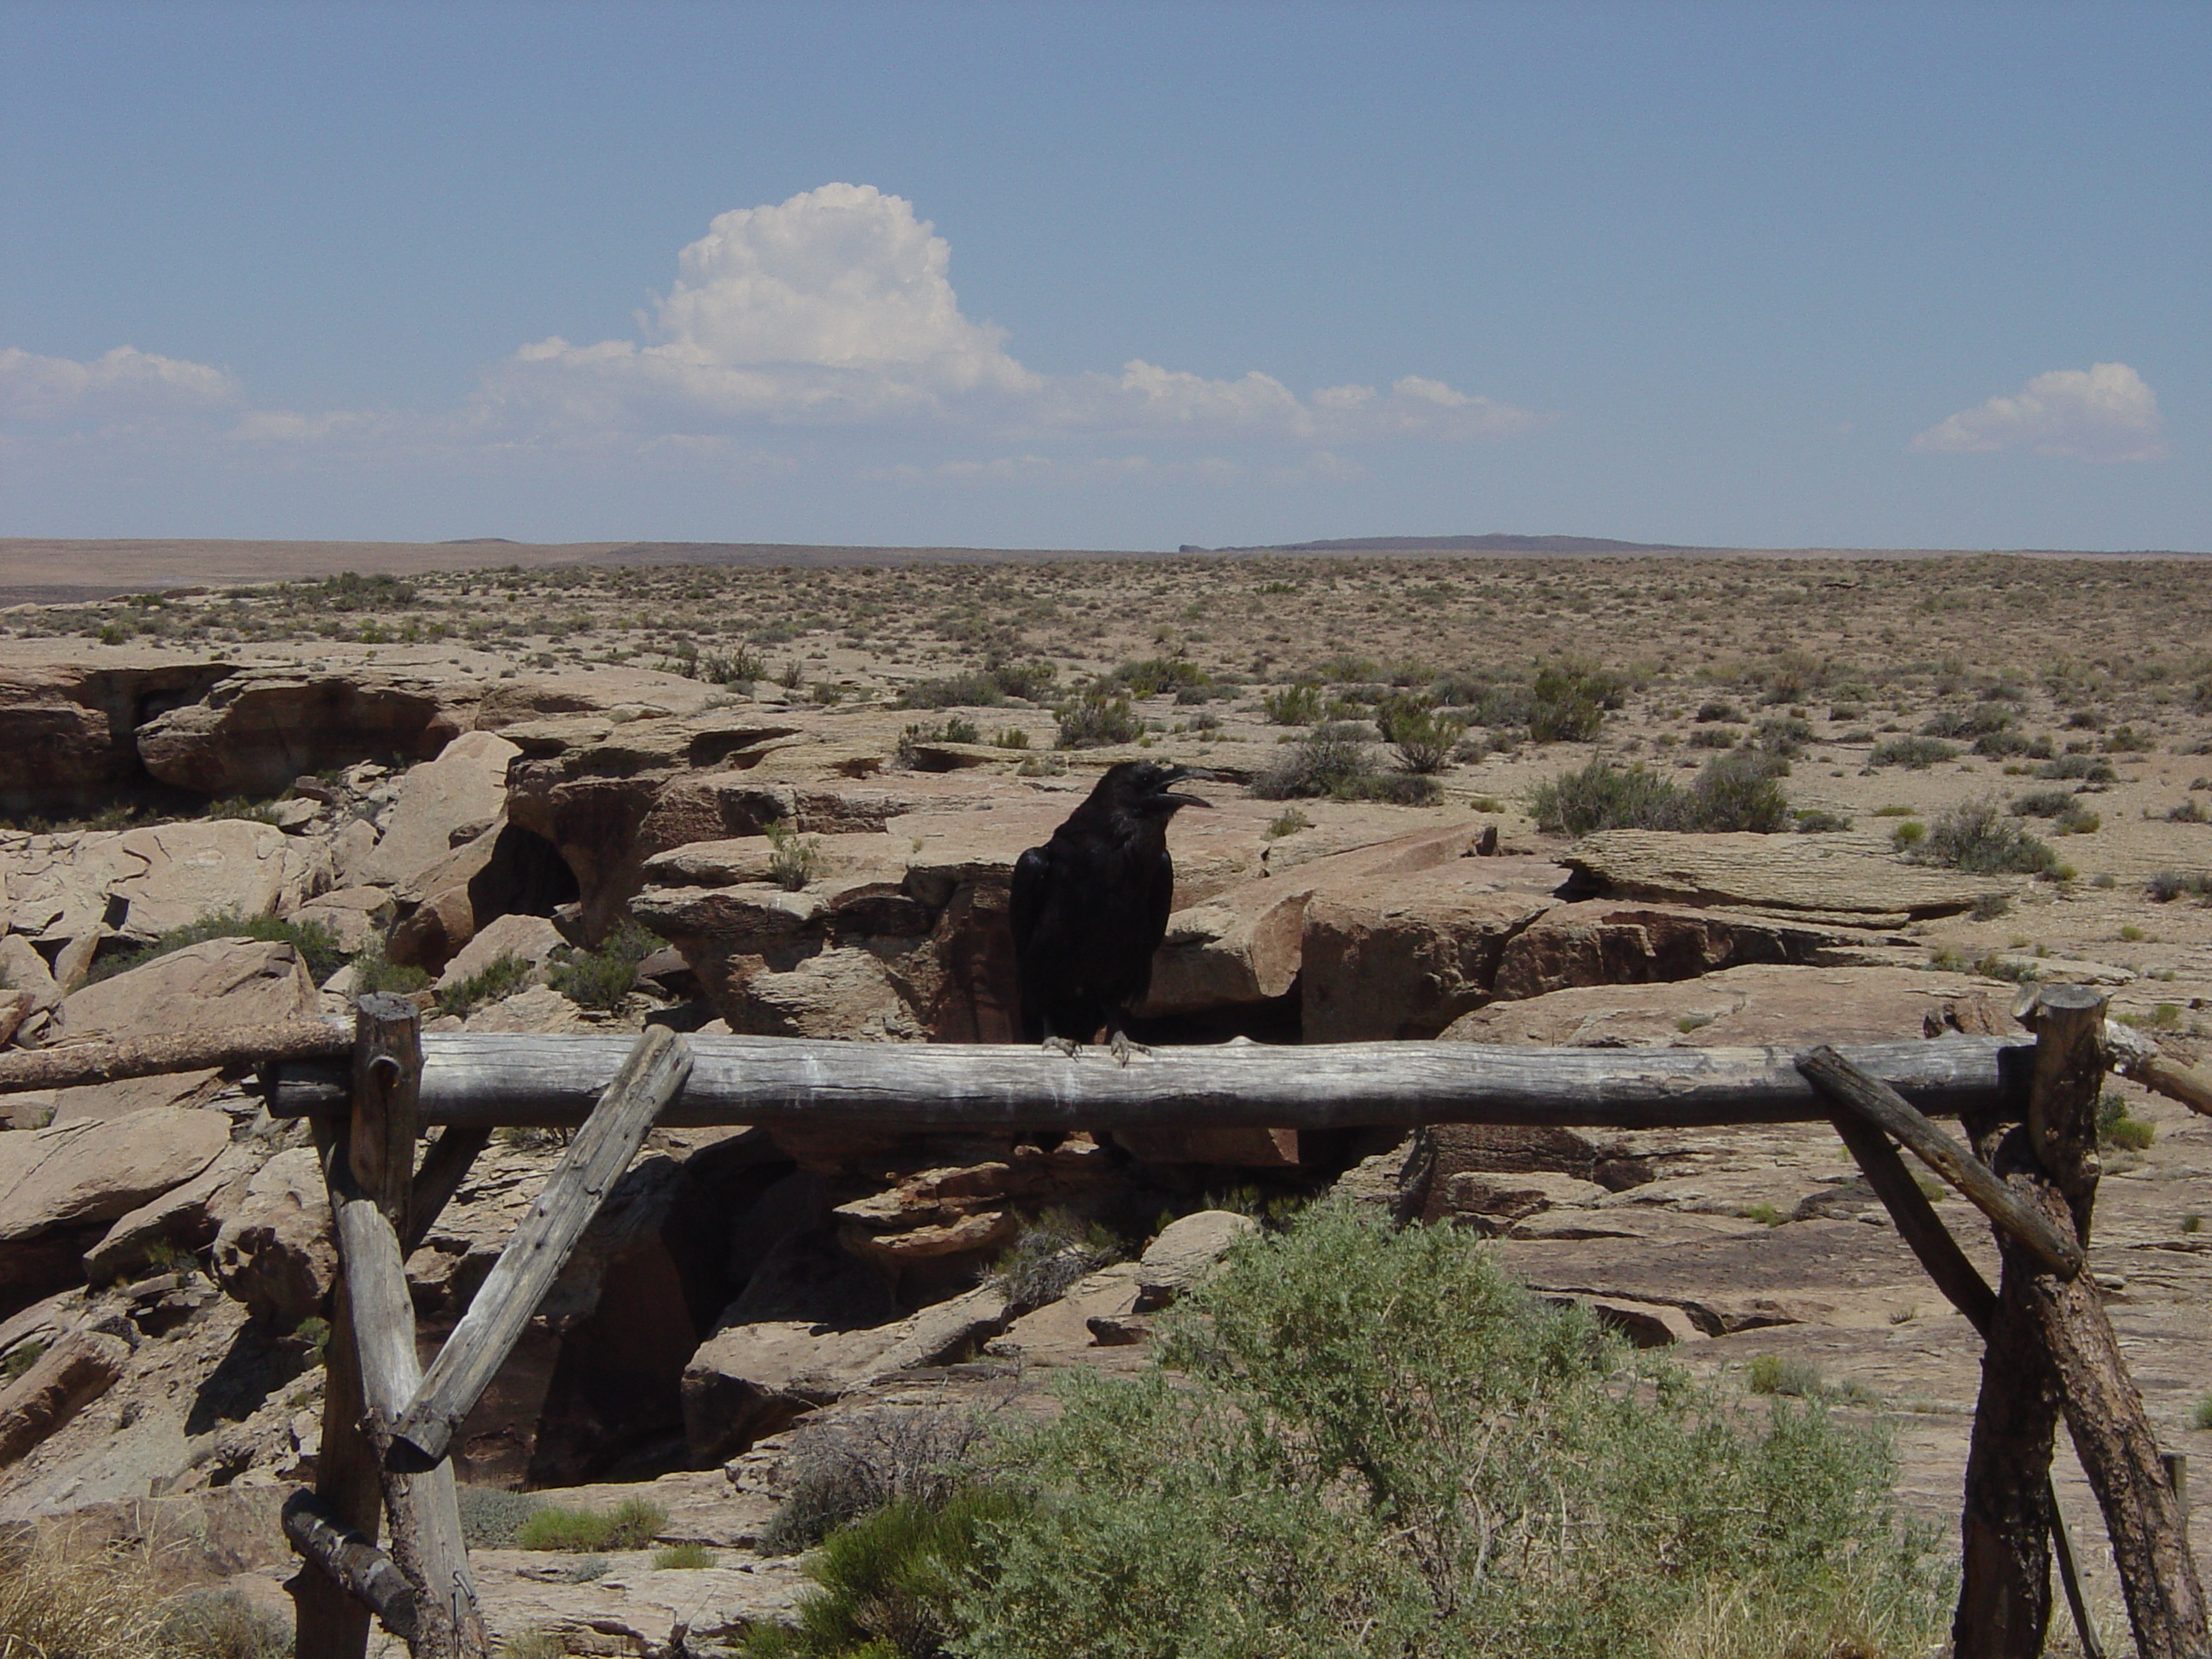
x=2103, y=413
x=836, y=307
x=126, y=385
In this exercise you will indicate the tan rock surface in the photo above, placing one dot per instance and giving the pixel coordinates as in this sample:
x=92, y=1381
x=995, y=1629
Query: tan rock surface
x=275, y=1252
x=441, y=803
x=1837, y=873
x=97, y=1170
x=214, y=983
x=258, y=729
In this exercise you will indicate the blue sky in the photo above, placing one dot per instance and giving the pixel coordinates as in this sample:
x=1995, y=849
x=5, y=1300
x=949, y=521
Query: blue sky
x=1120, y=276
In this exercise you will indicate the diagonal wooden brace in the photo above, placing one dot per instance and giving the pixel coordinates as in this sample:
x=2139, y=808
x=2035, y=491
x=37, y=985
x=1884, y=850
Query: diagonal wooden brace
x=652, y=1076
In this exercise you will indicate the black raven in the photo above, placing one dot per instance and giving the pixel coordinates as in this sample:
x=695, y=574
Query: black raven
x=1090, y=906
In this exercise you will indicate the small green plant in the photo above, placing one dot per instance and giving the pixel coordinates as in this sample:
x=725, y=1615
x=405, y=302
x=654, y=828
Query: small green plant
x=1915, y=754
x=1765, y=1214
x=1288, y=822
x=1423, y=737
x=2168, y=885
x=1774, y=1373
x=2202, y=1417
x=21, y=1359
x=491, y=1516
x=1976, y=837
x=375, y=972
x=317, y=946
x=494, y=981
x=1293, y=705
x=602, y=978
x=1568, y=705
x=793, y=860
x=2116, y=1128
x=682, y=1558
x=1010, y=736
x=1097, y=719
x=2193, y=1222
x=630, y=1525
x=313, y=1335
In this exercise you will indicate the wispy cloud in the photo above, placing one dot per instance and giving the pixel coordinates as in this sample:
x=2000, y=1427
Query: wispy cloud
x=832, y=313
x=2103, y=413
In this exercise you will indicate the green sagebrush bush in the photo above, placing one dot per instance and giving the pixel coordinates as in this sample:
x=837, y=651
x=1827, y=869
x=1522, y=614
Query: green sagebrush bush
x=1977, y=837
x=1497, y=1477
x=317, y=944
x=1738, y=789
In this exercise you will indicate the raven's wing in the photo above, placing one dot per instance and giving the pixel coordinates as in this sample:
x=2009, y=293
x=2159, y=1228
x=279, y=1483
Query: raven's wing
x=1032, y=871
x=1032, y=875
x=1158, y=900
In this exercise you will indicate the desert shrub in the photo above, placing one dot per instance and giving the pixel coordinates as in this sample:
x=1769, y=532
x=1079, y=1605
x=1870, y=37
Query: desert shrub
x=630, y=1525
x=1714, y=736
x=1501, y=1476
x=2116, y=1128
x=2083, y=768
x=1288, y=822
x=242, y=808
x=2078, y=820
x=892, y=1584
x=1097, y=721
x=2005, y=744
x=1785, y=736
x=490, y=1516
x=494, y=981
x=1811, y=821
x=1917, y=753
x=1566, y=705
x=1294, y=704
x=1155, y=675
x=1010, y=736
x=851, y=1466
x=220, y=1625
x=1740, y=790
x=21, y=1359
x=957, y=728
x=1715, y=708
x=739, y=667
x=1332, y=759
x=317, y=944
x=2168, y=885
x=1977, y=721
x=2043, y=803
x=682, y=1558
x=2189, y=812
x=375, y=972
x=976, y=691
x=1976, y=836
x=2126, y=740
x=1051, y=1254
x=1423, y=737
x=1773, y=1373
x=603, y=978
x=1603, y=796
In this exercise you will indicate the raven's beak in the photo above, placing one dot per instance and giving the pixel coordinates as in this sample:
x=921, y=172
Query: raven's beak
x=1176, y=775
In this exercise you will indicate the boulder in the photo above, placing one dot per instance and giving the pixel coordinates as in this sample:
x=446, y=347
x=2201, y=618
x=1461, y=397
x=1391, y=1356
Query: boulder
x=136, y=1094
x=523, y=939
x=1750, y=1006
x=186, y=871
x=356, y=916
x=66, y=730
x=441, y=804
x=96, y=1169
x=1402, y=957
x=214, y=984
x=1838, y=876
x=61, y=1186
x=24, y=970
x=68, y=1376
x=505, y=871
x=275, y=1252
x=186, y=1217
x=1185, y=1252
x=258, y=730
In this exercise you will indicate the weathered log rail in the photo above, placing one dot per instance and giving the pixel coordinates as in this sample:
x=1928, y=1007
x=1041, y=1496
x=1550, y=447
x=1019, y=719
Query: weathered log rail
x=2028, y=1108
x=475, y=1080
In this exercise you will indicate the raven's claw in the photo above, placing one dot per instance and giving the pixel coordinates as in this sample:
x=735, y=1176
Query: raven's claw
x=1121, y=1047
x=1066, y=1047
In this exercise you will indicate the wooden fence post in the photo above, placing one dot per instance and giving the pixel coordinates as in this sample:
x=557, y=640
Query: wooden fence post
x=370, y=1363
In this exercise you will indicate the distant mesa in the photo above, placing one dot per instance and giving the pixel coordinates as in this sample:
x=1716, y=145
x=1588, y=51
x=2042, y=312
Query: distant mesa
x=1493, y=544
x=481, y=541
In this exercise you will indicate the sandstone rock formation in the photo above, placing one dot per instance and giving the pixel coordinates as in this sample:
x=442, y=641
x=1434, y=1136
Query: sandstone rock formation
x=256, y=730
